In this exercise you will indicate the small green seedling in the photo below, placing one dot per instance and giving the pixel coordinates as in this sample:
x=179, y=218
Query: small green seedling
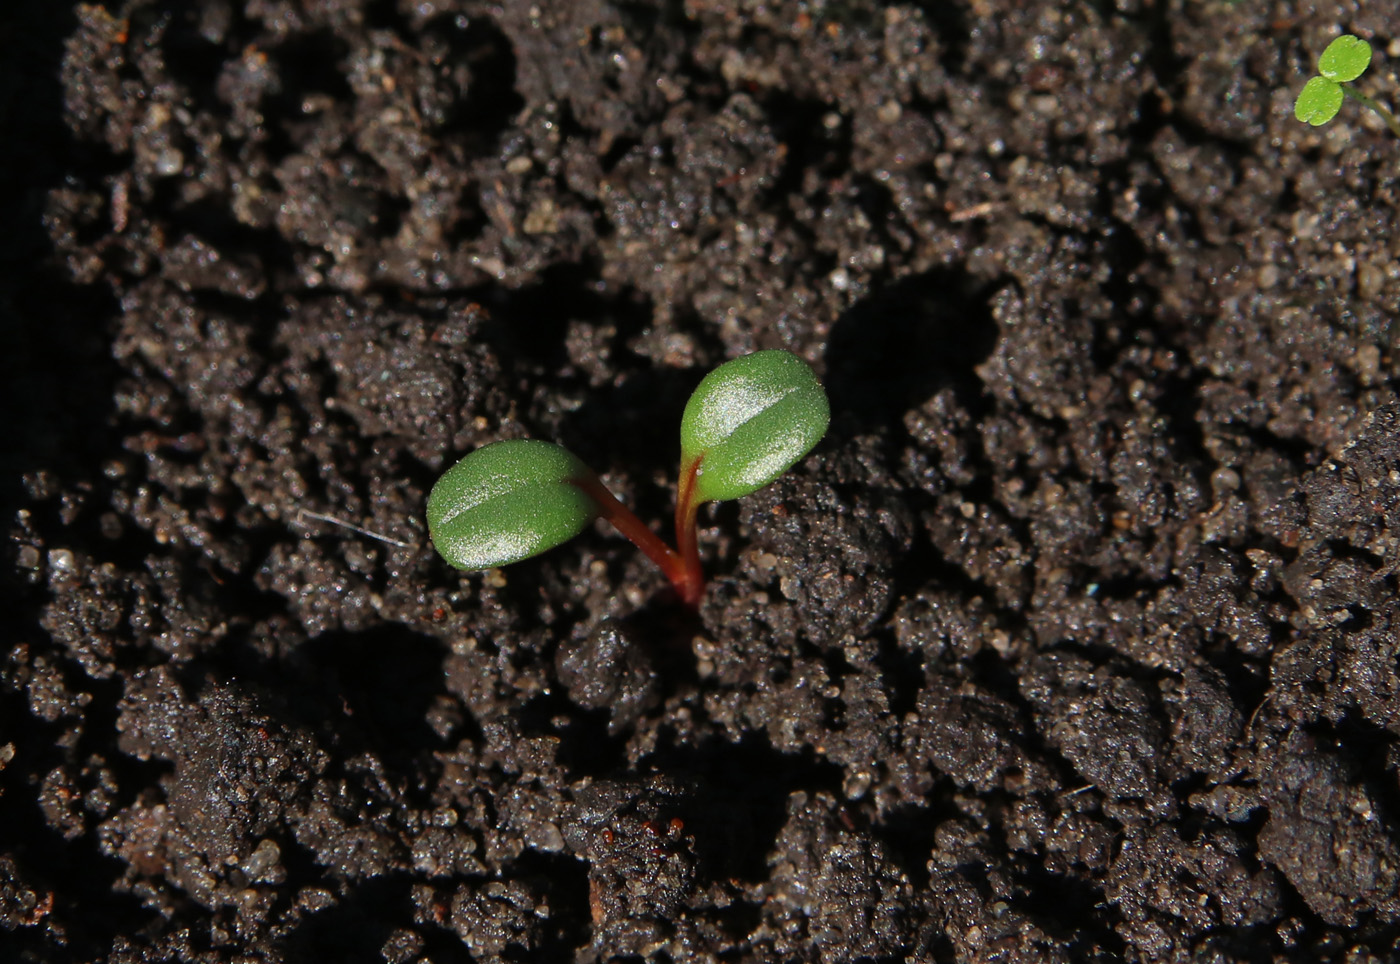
x=749, y=421
x=1344, y=60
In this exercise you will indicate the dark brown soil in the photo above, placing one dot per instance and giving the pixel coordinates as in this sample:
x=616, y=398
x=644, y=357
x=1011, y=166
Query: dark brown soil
x=1075, y=640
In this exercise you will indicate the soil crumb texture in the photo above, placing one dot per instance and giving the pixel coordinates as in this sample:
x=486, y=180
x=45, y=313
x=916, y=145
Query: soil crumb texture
x=1076, y=639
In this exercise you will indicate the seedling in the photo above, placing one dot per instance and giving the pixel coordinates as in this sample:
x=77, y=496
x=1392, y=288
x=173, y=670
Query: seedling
x=1344, y=60
x=749, y=421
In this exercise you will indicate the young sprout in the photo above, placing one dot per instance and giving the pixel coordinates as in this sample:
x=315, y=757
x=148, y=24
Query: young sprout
x=749, y=421
x=1344, y=60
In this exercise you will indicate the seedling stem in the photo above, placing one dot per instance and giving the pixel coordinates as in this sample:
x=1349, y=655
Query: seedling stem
x=1382, y=111
x=687, y=509
x=687, y=580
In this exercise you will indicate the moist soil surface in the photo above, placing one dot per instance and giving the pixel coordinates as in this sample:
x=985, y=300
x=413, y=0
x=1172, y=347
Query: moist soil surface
x=1074, y=640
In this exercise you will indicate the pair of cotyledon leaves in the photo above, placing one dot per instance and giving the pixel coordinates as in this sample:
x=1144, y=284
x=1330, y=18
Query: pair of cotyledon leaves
x=746, y=424
x=1344, y=60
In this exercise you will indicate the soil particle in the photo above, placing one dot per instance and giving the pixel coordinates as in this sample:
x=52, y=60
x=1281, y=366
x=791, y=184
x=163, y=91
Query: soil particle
x=492, y=918
x=642, y=863
x=232, y=783
x=1341, y=580
x=834, y=888
x=1104, y=722
x=1163, y=896
x=1323, y=835
x=836, y=573
x=967, y=734
x=610, y=670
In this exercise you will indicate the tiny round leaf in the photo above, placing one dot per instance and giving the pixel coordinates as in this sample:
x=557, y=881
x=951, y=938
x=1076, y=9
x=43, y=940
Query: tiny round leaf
x=1318, y=101
x=508, y=501
x=749, y=421
x=1345, y=59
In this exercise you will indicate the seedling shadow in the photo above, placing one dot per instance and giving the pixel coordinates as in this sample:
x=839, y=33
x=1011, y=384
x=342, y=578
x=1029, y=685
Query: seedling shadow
x=901, y=345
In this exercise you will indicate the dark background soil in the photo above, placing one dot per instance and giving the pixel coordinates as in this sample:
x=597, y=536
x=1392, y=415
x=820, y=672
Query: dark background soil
x=1074, y=640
